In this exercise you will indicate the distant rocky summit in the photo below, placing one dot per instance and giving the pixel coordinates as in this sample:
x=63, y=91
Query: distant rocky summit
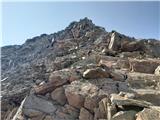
x=81, y=73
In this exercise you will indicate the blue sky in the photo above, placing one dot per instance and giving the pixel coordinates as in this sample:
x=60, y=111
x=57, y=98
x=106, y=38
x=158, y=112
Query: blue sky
x=23, y=20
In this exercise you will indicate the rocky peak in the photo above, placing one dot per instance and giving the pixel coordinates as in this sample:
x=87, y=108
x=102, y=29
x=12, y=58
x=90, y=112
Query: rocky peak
x=86, y=74
x=77, y=29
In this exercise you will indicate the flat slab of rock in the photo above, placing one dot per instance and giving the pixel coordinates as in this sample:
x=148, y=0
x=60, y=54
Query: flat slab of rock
x=143, y=80
x=152, y=96
x=122, y=101
x=144, y=66
x=39, y=104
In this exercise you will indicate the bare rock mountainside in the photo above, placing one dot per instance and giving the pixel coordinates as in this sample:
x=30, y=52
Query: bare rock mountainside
x=81, y=73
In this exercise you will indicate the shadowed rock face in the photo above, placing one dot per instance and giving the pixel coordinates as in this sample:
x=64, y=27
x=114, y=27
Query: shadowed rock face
x=72, y=74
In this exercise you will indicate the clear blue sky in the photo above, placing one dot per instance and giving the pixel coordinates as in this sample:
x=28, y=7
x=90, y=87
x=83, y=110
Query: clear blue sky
x=23, y=20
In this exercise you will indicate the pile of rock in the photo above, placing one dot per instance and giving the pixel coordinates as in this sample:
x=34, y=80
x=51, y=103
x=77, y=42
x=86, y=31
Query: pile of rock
x=87, y=74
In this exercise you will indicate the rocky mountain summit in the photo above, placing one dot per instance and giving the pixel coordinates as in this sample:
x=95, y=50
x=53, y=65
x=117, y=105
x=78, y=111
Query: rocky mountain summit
x=81, y=73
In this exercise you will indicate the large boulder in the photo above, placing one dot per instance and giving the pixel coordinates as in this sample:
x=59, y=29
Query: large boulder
x=59, y=95
x=144, y=66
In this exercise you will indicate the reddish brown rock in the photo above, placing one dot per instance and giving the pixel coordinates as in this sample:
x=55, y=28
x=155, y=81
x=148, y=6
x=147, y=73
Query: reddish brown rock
x=77, y=91
x=59, y=95
x=85, y=115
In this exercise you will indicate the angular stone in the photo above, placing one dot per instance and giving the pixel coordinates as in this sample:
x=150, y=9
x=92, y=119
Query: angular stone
x=59, y=95
x=77, y=91
x=143, y=80
x=148, y=114
x=39, y=104
x=85, y=115
x=117, y=76
x=149, y=95
x=144, y=66
x=122, y=101
x=157, y=71
x=67, y=113
x=124, y=115
x=96, y=73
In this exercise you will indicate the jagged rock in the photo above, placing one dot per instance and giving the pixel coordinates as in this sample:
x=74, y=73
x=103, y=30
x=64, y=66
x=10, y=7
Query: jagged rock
x=119, y=42
x=59, y=95
x=91, y=102
x=77, y=91
x=85, y=115
x=157, y=71
x=40, y=62
x=39, y=104
x=124, y=115
x=148, y=114
x=96, y=73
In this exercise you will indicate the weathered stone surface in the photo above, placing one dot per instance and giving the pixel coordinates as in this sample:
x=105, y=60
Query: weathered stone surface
x=144, y=66
x=96, y=73
x=85, y=115
x=11, y=114
x=56, y=79
x=143, y=80
x=122, y=101
x=31, y=113
x=59, y=95
x=39, y=104
x=77, y=91
x=148, y=114
x=123, y=63
x=149, y=95
x=64, y=76
x=67, y=113
x=124, y=115
x=117, y=76
x=157, y=71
